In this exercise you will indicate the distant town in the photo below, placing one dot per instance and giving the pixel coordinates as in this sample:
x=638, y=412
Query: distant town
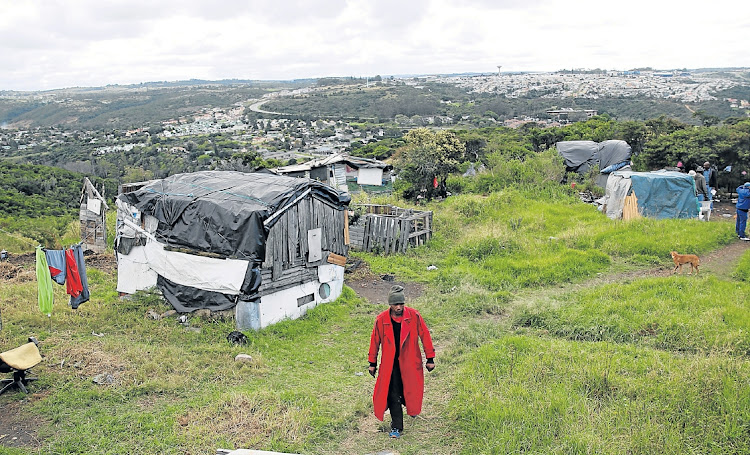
x=247, y=127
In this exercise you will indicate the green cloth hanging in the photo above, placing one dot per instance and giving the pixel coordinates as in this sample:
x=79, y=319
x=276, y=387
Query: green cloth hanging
x=44, y=281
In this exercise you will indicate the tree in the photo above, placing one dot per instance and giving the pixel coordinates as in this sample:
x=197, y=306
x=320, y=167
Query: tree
x=634, y=133
x=706, y=119
x=424, y=163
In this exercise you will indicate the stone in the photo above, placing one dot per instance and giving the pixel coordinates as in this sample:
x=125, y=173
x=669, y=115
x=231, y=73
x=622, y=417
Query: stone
x=203, y=313
x=103, y=379
x=243, y=358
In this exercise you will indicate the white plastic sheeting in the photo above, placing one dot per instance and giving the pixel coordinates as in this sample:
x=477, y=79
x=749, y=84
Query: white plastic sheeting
x=138, y=270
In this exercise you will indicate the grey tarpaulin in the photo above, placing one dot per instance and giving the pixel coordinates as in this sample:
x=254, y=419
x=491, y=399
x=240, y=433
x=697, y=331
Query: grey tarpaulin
x=612, y=153
x=186, y=299
x=618, y=187
x=223, y=212
x=581, y=156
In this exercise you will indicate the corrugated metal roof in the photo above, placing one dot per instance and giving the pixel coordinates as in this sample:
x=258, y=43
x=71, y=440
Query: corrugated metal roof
x=353, y=161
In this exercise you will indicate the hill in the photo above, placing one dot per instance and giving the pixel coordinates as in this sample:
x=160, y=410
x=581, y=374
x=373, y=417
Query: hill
x=479, y=98
x=131, y=106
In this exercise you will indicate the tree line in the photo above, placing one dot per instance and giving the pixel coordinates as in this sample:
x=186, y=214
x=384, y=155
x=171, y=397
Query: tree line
x=429, y=162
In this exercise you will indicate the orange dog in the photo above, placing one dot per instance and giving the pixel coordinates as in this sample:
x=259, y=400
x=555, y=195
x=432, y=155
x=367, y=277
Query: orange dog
x=680, y=259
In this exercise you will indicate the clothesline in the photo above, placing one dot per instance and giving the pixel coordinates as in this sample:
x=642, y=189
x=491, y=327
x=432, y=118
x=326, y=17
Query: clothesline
x=66, y=267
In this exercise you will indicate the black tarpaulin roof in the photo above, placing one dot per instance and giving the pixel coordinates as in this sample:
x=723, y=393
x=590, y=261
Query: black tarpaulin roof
x=224, y=212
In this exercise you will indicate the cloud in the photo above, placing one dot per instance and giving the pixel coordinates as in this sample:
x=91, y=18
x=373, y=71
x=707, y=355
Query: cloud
x=55, y=43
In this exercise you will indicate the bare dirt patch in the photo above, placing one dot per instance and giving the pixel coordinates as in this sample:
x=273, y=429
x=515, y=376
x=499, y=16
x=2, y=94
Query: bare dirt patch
x=374, y=288
x=18, y=428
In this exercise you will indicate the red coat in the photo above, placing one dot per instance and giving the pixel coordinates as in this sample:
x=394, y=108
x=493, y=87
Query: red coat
x=409, y=359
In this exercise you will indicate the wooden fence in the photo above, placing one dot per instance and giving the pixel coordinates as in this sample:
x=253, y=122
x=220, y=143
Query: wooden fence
x=389, y=229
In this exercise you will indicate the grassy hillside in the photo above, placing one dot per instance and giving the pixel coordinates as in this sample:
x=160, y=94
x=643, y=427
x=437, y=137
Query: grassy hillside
x=126, y=106
x=542, y=347
x=38, y=204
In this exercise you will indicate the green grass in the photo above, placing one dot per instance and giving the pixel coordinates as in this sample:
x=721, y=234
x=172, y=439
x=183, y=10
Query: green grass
x=505, y=241
x=539, y=395
x=676, y=313
x=742, y=271
x=525, y=362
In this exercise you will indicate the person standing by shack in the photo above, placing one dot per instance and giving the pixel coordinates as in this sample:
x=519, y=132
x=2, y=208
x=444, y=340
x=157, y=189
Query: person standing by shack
x=709, y=174
x=743, y=204
x=401, y=378
x=701, y=191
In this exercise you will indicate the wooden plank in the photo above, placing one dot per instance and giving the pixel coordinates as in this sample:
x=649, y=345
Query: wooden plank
x=372, y=234
x=384, y=228
x=337, y=259
x=278, y=255
x=268, y=261
x=393, y=234
x=288, y=278
x=325, y=216
x=283, y=239
x=328, y=215
x=366, y=234
x=337, y=232
x=630, y=208
x=403, y=238
x=346, y=228
x=305, y=214
x=378, y=232
x=387, y=223
x=292, y=234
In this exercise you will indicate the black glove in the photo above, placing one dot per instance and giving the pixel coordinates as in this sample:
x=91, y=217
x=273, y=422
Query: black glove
x=430, y=366
x=372, y=371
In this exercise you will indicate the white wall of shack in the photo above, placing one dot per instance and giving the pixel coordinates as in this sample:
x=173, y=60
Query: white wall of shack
x=370, y=176
x=283, y=304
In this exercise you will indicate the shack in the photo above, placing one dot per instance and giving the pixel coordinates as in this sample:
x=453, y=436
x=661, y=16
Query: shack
x=657, y=194
x=335, y=169
x=93, y=218
x=269, y=246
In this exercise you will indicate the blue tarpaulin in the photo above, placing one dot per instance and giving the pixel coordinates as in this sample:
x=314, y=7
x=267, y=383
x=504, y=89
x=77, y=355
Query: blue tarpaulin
x=665, y=194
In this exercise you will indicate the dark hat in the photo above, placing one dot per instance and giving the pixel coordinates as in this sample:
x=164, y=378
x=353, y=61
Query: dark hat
x=396, y=295
x=699, y=169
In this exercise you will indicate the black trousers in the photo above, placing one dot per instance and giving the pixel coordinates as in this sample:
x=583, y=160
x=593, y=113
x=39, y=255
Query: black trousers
x=396, y=397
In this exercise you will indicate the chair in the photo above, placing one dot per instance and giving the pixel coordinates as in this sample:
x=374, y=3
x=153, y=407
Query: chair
x=18, y=361
x=705, y=210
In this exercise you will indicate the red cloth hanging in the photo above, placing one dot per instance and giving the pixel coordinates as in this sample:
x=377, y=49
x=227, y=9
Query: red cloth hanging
x=434, y=182
x=72, y=277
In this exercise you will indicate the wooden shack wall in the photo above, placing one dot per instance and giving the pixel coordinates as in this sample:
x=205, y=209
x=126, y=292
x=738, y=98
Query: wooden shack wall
x=93, y=229
x=287, y=246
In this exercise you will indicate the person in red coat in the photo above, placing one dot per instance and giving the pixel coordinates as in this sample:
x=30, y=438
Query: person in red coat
x=401, y=378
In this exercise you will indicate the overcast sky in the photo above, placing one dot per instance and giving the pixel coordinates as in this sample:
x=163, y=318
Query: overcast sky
x=47, y=44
